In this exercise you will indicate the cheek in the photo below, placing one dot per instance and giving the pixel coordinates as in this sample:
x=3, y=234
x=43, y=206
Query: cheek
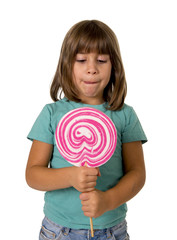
x=76, y=74
x=73, y=78
x=108, y=75
x=74, y=71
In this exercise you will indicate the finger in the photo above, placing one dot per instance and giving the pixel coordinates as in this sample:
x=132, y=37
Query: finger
x=84, y=196
x=85, y=203
x=85, y=209
x=88, y=214
x=89, y=189
x=92, y=171
x=90, y=184
x=91, y=179
x=98, y=173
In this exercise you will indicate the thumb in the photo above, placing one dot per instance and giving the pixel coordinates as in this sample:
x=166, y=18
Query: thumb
x=99, y=173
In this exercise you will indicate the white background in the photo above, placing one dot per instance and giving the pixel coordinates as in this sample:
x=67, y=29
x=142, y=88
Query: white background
x=31, y=36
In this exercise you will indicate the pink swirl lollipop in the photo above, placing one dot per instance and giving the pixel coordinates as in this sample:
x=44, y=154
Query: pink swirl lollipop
x=86, y=136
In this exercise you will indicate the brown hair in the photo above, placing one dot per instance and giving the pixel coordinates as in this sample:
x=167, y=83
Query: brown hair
x=90, y=36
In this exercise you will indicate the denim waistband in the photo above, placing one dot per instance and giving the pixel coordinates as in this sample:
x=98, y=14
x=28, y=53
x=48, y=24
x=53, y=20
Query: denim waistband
x=86, y=232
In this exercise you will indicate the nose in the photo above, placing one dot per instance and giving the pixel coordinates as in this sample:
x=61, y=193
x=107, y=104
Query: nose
x=92, y=69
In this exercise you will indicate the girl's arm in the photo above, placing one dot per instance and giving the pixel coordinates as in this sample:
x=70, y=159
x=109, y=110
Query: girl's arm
x=96, y=202
x=134, y=177
x=40, y=177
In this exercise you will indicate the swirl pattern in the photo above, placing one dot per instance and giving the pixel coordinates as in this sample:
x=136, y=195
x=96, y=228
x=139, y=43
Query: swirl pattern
x=86, y=135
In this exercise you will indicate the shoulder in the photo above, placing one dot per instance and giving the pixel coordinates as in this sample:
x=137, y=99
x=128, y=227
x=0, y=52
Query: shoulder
x=127, y=109
x=56, y=110
x=124, y=112
x=56, y=106
x=122, y=117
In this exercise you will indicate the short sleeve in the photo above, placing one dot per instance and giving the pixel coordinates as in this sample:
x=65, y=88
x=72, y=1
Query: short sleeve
x=133, y=130
x=42, y=130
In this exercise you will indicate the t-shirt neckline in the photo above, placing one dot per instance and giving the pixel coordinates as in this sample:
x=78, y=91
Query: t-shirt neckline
x=80, y=104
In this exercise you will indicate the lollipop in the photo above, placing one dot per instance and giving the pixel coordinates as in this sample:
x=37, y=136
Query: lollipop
x=86, y=137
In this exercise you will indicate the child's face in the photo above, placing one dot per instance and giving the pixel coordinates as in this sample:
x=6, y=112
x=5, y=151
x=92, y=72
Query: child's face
x=91, y=74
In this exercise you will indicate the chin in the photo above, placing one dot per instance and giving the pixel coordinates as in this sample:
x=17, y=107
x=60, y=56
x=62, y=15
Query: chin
x=90, y=95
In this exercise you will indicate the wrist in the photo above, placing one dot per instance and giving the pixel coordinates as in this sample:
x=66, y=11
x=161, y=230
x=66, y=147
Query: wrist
x=70, y=175
x=64, y=177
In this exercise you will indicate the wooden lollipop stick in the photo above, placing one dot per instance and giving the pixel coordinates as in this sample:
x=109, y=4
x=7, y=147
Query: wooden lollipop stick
x=91, y=221
x=91, y=227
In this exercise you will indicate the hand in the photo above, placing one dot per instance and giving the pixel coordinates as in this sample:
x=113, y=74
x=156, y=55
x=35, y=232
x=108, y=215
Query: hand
x=84, y=178
x=94, y=203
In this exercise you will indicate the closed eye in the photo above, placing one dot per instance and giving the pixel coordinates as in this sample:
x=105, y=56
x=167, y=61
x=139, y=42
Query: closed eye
x=80, y=60
x=102, y=61
x=84, y=60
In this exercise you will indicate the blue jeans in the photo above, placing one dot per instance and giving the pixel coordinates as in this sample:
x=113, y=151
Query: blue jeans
x=50, y=230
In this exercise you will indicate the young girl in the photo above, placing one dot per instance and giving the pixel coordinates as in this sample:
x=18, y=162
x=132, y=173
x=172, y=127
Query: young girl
x=90, y=73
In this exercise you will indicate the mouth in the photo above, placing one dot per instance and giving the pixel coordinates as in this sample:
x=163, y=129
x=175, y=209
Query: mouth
x=90, y=83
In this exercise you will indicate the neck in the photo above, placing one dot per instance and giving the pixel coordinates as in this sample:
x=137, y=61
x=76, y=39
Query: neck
x=92, y=101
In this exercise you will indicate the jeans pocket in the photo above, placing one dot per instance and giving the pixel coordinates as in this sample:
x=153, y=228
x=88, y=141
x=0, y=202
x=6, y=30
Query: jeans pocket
x=120, y=232
x=116, y=237
x=127, y=237
x=46, y=234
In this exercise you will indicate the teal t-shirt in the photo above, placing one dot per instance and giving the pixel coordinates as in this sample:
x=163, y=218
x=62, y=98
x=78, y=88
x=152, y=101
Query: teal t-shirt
x=63, y=206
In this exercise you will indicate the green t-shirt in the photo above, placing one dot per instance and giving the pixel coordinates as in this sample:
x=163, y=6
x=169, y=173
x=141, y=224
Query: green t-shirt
x=63, y=206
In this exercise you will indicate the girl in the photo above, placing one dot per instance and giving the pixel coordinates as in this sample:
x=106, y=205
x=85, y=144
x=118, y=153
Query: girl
x=90, y=73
